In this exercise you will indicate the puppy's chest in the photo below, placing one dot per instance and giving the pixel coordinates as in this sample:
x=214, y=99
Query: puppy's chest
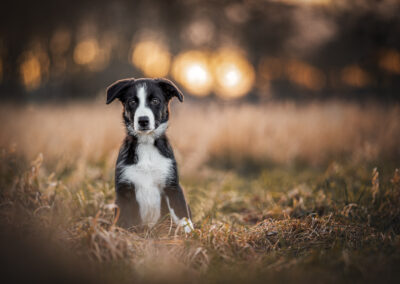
x=151, y=170
x=149, y=176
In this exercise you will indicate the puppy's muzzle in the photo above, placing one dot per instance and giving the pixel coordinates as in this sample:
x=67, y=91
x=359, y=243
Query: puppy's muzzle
x=144, y=122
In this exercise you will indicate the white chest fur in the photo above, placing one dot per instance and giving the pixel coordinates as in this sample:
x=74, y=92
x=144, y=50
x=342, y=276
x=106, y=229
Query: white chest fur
x=149, y=176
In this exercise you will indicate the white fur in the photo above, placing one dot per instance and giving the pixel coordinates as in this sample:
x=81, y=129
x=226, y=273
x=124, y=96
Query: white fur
x=150, y=173
x=186, y=223
x=142, y=110
x=149, y=176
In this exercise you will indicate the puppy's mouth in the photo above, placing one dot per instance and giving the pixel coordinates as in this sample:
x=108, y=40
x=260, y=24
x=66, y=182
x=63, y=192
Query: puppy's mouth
x=144, y=130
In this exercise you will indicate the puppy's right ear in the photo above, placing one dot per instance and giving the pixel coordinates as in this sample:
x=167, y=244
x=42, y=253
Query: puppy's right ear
x=116, y=89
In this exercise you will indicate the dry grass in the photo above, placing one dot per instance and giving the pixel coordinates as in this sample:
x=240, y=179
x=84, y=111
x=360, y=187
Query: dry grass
x=278, y=133
x=334, y=218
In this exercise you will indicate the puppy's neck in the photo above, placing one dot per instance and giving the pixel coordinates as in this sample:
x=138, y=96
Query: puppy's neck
x=145, y=139
x=149, y=138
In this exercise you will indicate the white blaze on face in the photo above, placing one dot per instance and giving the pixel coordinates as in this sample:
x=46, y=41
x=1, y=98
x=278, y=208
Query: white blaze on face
x=142, y=109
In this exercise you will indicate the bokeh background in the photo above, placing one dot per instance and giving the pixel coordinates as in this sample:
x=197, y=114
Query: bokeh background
x=266, y=82
x=287, y=143
x=257, y=50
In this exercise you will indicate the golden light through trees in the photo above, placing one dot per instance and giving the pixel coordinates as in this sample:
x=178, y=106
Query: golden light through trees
x=307, y=2
x=92, y=54
x=86, y=51
x=226, y=72
x=191, y=69
x=60, y=41
x=355, y=76
x=31, y=72
x=1, y=69
x=233, y=73
x=152, y=58
x=390, y=61
x=305, y=75
x=34, y=66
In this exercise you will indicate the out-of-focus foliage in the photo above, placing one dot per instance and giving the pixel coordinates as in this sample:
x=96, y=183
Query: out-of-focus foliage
x=263, y=49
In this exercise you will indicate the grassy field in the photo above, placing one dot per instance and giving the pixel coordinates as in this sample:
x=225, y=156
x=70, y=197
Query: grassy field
x=279, y=193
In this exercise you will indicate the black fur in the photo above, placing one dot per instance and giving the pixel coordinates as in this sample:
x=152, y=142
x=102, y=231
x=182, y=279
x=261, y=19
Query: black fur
x=164, y=91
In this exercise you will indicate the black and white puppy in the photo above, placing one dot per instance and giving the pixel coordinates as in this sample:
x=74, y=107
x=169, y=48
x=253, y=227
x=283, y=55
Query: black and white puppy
x=146, y=176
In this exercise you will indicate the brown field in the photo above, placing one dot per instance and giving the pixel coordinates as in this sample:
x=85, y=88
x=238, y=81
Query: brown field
x=227, y=135
x=279, y=192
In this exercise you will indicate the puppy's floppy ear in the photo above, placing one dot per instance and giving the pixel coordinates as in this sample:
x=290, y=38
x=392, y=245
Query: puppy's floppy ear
x=170, y=89
x=116, y=89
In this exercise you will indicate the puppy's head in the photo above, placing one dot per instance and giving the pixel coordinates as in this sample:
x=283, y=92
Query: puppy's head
x=145, y=102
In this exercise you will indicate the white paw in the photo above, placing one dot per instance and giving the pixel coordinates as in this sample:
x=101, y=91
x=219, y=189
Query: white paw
x=186, y=224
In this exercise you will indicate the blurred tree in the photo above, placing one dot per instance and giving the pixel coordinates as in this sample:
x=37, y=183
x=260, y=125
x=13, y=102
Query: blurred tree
x=326, y=38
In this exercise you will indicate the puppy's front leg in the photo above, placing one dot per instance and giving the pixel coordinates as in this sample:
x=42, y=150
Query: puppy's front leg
x=178, y=207
x=128, y=207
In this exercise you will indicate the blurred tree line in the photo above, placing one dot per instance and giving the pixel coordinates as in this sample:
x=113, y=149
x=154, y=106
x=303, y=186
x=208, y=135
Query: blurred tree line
x=348, y=49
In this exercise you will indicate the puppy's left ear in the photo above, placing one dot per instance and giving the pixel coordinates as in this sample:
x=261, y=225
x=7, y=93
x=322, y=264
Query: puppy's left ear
x=117, y=88
x=170, y=89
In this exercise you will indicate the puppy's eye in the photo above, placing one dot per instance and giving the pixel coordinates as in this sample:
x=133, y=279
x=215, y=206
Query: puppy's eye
x=155, y=101
x=132, y=103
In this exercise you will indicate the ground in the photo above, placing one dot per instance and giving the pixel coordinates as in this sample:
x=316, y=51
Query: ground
x=279, y=193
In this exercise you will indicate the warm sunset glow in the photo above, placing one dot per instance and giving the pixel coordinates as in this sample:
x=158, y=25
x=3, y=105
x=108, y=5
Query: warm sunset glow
x=200, y=31
x=90, y=53
x=355, y=76
x=30, y=71
x=307, y=2
x=60, y=41
x=152, y=58
x=86, y=51
x=191, y=70
x=390, y=61
x=234, y=75
x=196, y=73
x=305, y=75
x=1, y=70
x=271, y=68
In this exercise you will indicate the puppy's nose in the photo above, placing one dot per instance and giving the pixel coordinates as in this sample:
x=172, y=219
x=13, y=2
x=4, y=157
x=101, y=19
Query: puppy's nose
x=143, y=121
